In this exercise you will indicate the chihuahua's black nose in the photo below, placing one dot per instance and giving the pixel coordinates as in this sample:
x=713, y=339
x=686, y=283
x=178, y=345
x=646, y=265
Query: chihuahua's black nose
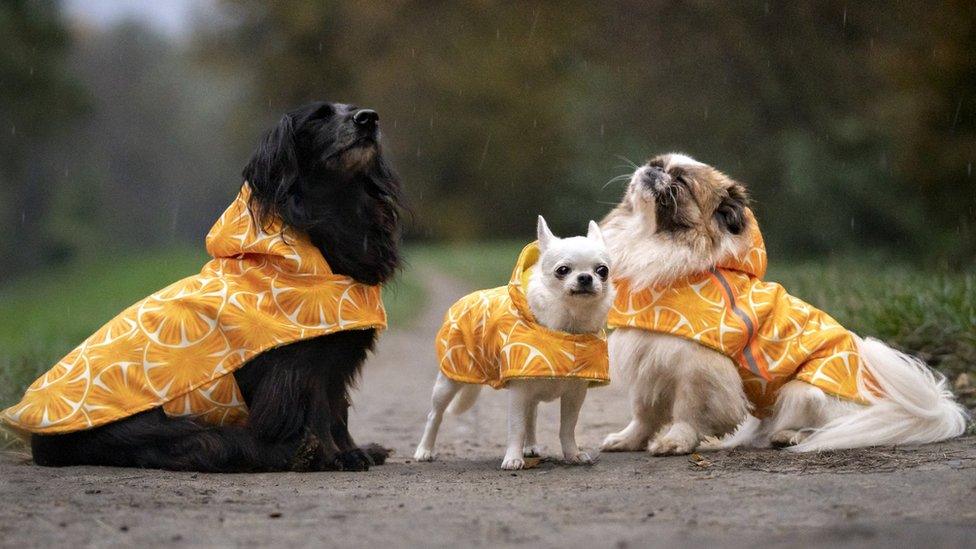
x=365, y=117
x=585, y=279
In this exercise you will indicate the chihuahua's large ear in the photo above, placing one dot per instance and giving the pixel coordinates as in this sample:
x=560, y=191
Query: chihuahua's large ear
x=543, y=233
x=593, y=232
x=273, y=171
x=731, y=212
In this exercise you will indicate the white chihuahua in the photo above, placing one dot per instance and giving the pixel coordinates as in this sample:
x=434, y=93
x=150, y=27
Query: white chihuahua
x=489, y=339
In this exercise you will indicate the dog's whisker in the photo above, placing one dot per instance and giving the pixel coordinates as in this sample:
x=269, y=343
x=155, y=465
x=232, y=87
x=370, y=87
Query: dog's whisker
x=629, y=162
x=621, y=177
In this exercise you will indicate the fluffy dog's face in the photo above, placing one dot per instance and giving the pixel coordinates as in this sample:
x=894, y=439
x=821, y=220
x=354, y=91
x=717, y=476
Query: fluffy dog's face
x=677, y=215
x=677, y=194
x=321, y=170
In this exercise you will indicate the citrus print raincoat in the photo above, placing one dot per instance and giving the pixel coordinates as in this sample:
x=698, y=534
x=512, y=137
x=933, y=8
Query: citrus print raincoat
x=178, y=347
x=491, y=337
x=772, y=336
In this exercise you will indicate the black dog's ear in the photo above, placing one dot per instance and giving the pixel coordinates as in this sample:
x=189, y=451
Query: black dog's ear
x=273, y=170
x=731, y=212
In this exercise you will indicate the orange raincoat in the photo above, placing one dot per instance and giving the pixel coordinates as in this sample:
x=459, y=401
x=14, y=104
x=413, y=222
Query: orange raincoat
x=179, y=347
x=491, y=337
x=773, y=336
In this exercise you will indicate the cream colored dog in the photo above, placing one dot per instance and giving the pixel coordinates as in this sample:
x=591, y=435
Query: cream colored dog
x=683, y=220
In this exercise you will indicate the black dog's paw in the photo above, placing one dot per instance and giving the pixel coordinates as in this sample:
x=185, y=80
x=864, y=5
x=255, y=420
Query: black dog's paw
x=377, y=453
x=353, y=460
x=308, y=456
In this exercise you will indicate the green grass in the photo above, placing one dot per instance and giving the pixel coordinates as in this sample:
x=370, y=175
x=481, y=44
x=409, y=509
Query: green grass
x=483, y=264
x=46, y=314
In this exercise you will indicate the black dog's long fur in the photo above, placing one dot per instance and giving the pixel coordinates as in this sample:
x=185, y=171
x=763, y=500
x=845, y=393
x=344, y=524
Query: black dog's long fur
x=321, y=171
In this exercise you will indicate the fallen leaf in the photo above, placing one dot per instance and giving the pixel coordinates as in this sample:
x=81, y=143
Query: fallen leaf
x=700, y=461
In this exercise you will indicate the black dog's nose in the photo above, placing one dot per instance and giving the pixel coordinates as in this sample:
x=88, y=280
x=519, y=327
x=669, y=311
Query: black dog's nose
x=585, y=279
x=365, y=117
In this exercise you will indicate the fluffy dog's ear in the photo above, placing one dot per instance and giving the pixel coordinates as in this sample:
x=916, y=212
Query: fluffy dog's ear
x=272, y=172
x=594, y=233
x=731, y=212
x=543, y=233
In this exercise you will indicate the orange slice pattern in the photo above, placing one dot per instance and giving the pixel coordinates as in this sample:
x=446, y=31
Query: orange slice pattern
x=490, y=337
x=773, y=336
x=179, y=347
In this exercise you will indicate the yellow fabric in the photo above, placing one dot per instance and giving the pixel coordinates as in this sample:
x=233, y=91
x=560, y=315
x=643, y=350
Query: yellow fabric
x=773, y=336
x=491, y=337
x=178, y=347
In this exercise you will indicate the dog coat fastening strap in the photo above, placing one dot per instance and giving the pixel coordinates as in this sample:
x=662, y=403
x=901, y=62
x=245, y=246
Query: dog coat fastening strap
x=773, y=336
x=179, y=347
x=491, y=337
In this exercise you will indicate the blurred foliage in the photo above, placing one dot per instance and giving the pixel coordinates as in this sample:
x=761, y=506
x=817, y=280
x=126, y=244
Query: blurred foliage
x=37, y=99
x=853, y=124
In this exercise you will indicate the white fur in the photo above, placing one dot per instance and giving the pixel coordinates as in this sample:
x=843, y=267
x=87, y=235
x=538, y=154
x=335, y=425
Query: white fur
x=685, y=396
x=680, y=159
x=554, y=304
x=916, y=407
x=647, y=258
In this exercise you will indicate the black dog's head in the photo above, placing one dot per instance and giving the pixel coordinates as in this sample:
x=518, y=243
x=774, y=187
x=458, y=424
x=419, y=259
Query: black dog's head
x=321, y=170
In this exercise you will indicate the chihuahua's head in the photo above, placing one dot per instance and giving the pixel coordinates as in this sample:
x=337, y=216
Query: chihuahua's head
x=570, y=288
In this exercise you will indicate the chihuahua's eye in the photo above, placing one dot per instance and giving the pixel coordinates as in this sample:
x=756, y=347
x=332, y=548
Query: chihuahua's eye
x=562, y=271
x=603, y=271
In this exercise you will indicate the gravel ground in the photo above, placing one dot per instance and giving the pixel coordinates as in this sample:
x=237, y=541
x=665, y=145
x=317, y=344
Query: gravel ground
x=891, y=497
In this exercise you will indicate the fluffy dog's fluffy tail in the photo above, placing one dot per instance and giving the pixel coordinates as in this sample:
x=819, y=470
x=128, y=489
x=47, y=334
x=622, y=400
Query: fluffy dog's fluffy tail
x=744, y=435
x=465, y=399
x=908, y=404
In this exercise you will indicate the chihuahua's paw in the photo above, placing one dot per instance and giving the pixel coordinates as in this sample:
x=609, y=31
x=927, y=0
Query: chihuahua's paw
x=620, y=442
x=581, y=458
x=423, y=454
x=533, y=451
x=513, y=464
x=670, y=445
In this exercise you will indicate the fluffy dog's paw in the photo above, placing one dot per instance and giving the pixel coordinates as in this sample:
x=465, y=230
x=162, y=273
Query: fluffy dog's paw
x=619, y=442
x=787, y=437
x=377, y=453
x=352, y=460
x=423, y=454
x=667, y=445
x=533, y=451
x=581, y=458
x=513, y=464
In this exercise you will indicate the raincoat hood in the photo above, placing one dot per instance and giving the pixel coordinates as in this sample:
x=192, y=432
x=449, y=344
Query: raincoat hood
x=178, y=348
x=773, y=336
x=491, y=337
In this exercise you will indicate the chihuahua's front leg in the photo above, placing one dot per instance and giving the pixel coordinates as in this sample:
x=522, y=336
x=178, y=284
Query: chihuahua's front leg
x=569, y=409
x=521, y=403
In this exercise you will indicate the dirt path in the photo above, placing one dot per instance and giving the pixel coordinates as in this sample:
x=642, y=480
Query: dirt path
x=879, y=497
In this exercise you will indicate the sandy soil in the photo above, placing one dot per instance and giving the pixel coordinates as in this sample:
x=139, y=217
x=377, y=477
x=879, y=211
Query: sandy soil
x=892, y=497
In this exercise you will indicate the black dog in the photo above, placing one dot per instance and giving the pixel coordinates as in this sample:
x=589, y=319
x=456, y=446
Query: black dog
x=320, y=171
